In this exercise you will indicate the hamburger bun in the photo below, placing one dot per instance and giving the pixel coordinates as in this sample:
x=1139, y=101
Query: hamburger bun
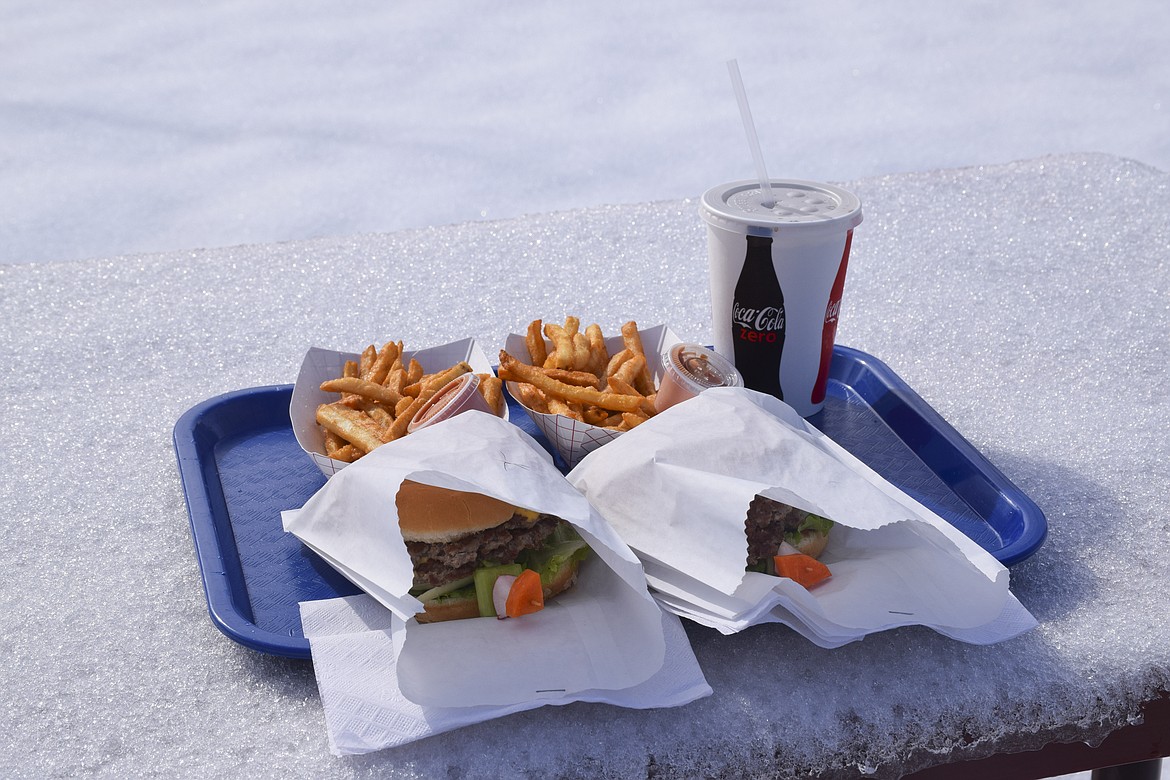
x=449, y=609
x=433, y=514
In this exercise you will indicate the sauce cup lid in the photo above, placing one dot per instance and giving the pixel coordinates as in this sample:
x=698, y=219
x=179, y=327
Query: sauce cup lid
x=697, y=368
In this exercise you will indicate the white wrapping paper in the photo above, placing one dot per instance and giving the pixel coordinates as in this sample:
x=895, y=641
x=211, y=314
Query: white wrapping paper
x=604, y=634
x=677, y=489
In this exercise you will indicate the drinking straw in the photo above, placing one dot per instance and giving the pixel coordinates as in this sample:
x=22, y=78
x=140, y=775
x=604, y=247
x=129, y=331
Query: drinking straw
x=749, y=127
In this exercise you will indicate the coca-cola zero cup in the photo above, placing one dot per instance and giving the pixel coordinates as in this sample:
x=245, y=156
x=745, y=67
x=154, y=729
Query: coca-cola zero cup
x=777, y=275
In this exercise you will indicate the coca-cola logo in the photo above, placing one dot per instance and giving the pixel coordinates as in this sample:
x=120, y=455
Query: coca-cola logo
x=769, y=318
x=833, y=311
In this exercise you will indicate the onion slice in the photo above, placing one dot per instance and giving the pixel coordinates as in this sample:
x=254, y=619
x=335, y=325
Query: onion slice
x=787, y=549
x=500, y=594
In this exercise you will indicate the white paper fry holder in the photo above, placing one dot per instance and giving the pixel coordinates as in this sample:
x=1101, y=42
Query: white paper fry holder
x=572, y=438
x=320, y=365
x=604, y=633
x=678, y=492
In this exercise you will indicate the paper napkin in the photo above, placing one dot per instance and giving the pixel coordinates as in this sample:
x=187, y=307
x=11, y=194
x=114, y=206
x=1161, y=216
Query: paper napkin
x=355, y=661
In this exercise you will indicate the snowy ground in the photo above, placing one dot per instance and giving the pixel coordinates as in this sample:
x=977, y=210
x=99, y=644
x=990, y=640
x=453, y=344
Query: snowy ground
x=139, y=126
x=133, y=126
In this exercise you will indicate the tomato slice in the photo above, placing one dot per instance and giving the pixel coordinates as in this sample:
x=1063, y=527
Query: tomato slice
x=526, y=595
x=801, y=568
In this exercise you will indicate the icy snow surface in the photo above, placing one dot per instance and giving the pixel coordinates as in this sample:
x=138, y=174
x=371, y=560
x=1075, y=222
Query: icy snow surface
x=138, y=126
x=1026, y=302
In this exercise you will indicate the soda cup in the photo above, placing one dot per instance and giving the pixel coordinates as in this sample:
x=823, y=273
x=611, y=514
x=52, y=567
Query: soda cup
x=777, y=275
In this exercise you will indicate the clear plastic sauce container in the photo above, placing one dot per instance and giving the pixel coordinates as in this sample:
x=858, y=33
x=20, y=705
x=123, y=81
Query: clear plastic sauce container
x=459, y=395
x=689, y=369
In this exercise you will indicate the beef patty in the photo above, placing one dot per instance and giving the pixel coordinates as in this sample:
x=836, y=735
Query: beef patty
x=437, y=563
x=767, y=522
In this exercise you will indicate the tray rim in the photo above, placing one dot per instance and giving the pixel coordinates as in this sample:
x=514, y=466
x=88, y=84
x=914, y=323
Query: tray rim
x=1034, y=523
x=222, y=577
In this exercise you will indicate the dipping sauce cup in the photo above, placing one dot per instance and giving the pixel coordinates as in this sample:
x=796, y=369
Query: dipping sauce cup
x=457, y=396
x=689, y=369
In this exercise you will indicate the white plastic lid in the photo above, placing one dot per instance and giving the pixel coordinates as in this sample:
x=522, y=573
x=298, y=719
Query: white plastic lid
x=697, y=368
x=801, y=205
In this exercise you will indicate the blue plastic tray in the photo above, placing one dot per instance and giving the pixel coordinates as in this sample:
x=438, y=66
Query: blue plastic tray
x=240, y=466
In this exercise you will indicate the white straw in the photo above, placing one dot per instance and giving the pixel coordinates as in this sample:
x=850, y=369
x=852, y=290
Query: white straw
x=749, y=127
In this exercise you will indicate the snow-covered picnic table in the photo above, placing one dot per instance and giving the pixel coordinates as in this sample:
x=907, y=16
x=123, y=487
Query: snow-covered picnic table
x=1027, y=303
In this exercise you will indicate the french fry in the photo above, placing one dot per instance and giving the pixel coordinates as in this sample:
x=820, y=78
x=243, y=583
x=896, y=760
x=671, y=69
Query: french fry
x=644, y=381
x=396, y=366
x=579, y=378
x=572, y=325
x=351, y=370
x=532, y=398
x=455, y=371
x=401, y=407
x=631, y=338
x=361, y=387
x=630, y=370
x=437, y=380
x=347, y=454
x=369, y=354
x=634, y=419
x=383, y=362
x=333, y=442
x=616, y=362
x=565, y=392
x=492, y=390
x=598, y=356
x=398, y=429
x=565, y=408
x=562, y=354
x=581, y=356
x=396, y=380
x=617, y=385
x=414, y=372
x=380, y=415
x=595, y=415
x=534, y=340
x=351, y=425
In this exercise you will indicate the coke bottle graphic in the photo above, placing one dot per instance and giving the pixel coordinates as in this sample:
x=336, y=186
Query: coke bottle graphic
x=757, y=319
x=829, y=334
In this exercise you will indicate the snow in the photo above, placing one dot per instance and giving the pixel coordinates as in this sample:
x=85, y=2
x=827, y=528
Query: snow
x=141, y=127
